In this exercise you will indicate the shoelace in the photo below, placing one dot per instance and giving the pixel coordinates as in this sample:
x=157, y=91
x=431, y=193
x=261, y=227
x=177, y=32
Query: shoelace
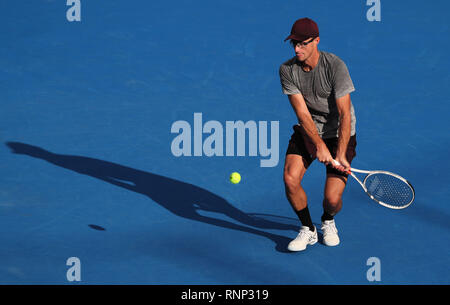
x=305, y=233
x=330, y=227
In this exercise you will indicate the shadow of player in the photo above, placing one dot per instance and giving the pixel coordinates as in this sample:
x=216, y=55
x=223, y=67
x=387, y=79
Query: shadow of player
x=180, y=198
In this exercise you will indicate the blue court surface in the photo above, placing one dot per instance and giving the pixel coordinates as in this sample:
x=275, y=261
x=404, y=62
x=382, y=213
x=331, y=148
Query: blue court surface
x=89, y=165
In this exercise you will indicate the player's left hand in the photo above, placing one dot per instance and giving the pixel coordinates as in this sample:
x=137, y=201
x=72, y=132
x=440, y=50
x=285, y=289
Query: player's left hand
x=344, y=165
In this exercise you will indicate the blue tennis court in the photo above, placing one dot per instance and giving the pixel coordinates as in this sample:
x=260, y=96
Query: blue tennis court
x=89, y=168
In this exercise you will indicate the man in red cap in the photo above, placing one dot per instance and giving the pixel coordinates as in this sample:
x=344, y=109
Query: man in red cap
x=318, y=86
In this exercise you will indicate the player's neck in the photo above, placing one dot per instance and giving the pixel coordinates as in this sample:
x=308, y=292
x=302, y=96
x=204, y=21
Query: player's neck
x=311, y=62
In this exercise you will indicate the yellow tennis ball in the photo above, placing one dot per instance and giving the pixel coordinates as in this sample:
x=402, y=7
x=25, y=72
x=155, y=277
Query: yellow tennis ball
x=235, y=178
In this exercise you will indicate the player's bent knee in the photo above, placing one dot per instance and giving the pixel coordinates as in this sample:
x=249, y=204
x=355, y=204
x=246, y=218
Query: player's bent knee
x=294, y=170
x=333, y=201
x=291, y=182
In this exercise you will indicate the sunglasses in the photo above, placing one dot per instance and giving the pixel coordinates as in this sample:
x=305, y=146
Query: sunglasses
x=301, y=44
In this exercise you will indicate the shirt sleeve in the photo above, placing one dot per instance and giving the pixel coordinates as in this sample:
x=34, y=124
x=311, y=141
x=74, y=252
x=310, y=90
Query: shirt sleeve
x=342, y=83
x=287, y=83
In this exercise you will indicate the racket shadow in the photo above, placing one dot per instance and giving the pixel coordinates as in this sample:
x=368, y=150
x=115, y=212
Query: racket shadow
x=186, y=201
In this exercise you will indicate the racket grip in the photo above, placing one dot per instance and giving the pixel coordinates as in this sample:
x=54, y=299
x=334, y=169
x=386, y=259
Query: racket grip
x=339, y=164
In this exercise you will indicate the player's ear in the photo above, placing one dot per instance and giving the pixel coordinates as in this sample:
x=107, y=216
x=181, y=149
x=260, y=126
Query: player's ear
x=317, y=40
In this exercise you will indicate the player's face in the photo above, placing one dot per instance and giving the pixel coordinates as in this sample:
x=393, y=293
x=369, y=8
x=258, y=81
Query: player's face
x=304, y=49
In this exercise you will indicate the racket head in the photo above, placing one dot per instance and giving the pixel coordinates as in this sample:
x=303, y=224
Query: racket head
x=389, y=189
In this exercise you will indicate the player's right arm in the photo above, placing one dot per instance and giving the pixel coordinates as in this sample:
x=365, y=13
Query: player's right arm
x=304, y=118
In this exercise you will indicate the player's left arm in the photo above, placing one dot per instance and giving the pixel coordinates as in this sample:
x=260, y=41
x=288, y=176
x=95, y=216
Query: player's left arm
x=344, y=108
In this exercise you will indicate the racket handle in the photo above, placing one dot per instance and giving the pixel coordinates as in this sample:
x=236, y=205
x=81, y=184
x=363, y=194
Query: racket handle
x=339, y=164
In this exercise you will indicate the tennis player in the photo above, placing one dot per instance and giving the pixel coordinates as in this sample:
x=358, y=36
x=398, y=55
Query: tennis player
x=318, y=86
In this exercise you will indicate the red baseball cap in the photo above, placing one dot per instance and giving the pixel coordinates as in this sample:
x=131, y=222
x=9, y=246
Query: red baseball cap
x=303, y=29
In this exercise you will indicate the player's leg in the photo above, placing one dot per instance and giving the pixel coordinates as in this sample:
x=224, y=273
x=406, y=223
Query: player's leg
x=336, y=180
x=294, y=170
x=296, y=163
x=298, y=159
x=334, y=189
x=332, y=204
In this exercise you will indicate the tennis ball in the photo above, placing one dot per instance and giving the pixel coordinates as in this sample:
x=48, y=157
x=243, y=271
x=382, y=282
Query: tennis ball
x=235, y=178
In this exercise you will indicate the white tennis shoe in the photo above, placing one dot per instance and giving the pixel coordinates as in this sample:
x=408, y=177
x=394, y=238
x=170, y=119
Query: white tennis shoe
x=330, y=236
x=305, y=237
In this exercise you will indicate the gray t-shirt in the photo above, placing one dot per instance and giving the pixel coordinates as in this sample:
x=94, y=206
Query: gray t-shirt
x=320, y=88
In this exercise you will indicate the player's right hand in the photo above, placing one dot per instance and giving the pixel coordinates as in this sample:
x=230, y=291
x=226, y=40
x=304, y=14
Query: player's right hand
x=323, y=154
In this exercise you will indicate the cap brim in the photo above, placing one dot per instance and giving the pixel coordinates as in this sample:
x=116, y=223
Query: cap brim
x=297, y=37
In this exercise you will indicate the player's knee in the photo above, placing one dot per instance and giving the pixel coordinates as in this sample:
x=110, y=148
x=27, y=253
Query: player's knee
x=291, y=182
x=334, y=201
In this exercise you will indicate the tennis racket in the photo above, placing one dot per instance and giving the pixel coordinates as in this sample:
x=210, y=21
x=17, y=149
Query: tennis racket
x=386, y=188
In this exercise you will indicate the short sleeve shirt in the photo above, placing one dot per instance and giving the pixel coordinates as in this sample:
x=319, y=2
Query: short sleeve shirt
x=320, y=88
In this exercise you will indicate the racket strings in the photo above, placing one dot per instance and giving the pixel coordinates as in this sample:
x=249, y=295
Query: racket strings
x=389, y=189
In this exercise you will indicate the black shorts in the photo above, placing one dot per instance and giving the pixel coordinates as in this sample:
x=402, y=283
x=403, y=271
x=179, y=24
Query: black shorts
x=301, y=144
